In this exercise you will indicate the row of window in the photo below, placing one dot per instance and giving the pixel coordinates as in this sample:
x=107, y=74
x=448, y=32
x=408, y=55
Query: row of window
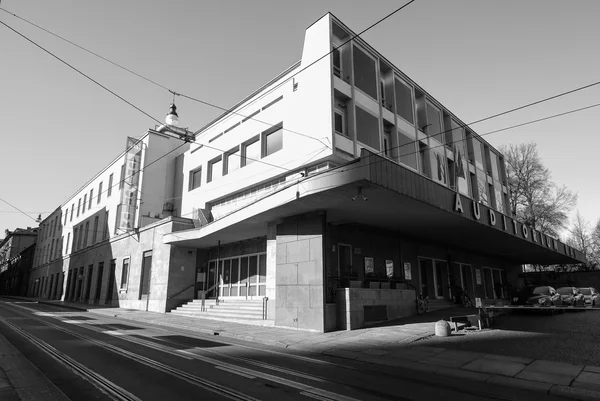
x=260, y=146
x=248, y=117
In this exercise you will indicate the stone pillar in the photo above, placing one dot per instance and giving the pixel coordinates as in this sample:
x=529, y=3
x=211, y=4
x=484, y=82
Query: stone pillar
x=299, y=276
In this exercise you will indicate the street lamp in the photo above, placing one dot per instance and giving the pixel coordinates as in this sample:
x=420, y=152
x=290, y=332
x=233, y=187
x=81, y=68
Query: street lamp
x=172, y=122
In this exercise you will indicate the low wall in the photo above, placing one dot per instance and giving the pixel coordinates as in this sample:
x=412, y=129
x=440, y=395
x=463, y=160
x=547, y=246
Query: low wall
x=358, y=307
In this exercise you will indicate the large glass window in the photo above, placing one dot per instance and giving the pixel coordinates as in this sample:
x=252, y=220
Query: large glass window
x=499, y=198
x=455, y=140
x=493, y=161
x=251, y=152
x=404, y=101
x=339, y=118
x=273, y=141
x=475, y=152
x=365, y=73
x=367, y=128
x=337, y=62
x=407, y=150
x=438, y=165
x=482, y=187
x=434, y=123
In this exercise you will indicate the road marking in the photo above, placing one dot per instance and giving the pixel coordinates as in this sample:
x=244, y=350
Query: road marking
x=72, y=321
x=99, y=381
x=315, y=396
x=236, y=372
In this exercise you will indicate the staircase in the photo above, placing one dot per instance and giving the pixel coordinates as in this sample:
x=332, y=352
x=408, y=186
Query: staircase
x=229, y=310
x=439, y=304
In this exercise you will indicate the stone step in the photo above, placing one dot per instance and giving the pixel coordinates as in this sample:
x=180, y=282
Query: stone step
x=224, y=307
x=216, y=315
x=253, y=322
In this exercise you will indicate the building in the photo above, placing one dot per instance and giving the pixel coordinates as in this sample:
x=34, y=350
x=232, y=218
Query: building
x=16, y=252
x=331, y=195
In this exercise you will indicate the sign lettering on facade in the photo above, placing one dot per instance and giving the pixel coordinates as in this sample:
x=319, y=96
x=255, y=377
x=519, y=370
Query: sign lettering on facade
x=523, y=232
x=126, y=210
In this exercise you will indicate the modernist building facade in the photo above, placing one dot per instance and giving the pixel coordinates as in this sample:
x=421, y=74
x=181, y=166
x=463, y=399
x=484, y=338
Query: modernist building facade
x=334, y=193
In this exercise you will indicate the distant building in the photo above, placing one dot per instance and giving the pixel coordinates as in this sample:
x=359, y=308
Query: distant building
x=327, y=199
x=16, y=251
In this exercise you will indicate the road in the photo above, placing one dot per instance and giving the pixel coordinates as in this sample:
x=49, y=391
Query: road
x=93, y=357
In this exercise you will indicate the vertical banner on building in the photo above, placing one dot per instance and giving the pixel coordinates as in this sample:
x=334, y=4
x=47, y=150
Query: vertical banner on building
x=126, y=210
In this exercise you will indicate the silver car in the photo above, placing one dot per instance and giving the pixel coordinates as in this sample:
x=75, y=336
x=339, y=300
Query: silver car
x=590, y=295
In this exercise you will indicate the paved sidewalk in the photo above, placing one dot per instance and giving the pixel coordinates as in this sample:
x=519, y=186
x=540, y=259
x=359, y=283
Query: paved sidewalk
x=393, y=344
x=21, y=380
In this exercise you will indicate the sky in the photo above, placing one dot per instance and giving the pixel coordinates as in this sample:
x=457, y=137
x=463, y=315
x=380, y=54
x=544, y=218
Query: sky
x=477, y=58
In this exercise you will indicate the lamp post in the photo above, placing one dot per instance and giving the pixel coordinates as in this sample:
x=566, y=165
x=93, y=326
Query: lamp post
x=172, y=122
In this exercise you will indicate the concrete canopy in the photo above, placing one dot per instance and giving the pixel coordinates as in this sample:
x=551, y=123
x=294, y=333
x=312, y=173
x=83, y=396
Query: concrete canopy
x=405, y=210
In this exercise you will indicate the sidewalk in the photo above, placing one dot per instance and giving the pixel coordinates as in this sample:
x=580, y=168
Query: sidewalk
x=391, y=345
x=20, y=380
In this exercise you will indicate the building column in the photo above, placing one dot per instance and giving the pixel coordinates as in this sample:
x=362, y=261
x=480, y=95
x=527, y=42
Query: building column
x=299, y=275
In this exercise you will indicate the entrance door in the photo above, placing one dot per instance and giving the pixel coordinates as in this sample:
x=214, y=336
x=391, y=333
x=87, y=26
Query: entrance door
x=424, y=273
x=111, y=282
x=88, y=286
x=212, y=279
x=489, y=283
x=146, y=273
x=99, y=282
x=441, y=279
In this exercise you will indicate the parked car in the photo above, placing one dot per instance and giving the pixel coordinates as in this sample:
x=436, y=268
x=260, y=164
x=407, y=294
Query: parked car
x=590, y=295
x=520, y=296
x=571, y=296
x=544, y=296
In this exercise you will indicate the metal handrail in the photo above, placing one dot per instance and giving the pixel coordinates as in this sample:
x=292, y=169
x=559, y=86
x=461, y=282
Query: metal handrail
x=186, y=288
x=202, y=308
x=264, y=305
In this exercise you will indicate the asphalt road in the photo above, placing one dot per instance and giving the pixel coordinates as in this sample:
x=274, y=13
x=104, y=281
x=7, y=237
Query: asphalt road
x=93, y=357
x=571, y=337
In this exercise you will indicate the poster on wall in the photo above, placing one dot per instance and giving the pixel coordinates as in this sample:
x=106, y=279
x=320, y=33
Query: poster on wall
x=407, y=271
x=389, y=268
x=478, y=276
x=369, y=266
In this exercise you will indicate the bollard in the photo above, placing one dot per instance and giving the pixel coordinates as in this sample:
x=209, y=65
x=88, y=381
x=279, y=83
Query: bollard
x=442, y=328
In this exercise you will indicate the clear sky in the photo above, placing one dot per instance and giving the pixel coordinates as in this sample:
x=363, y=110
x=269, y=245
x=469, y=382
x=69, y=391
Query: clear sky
x=476, y=57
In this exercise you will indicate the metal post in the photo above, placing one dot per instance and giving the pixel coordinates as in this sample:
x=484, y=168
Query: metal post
x=217, y=287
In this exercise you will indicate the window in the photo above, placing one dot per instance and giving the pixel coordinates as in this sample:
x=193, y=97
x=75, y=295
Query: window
x=122, y=179
x=195, y=178
x=67, y=246
x=337, y=62
x=66, y=216
x=72, y=211
x=91, y=196
x=78, y=206
x=272, y=140
x=475, y=152
x=339, y=121
x=215, y=169
x=110, y=184
x=434, y=123
x=367, y=128
x=95, y=232
x=85, y=234
x=232, y=160
x=80, y=237
x=407, y=150
x=124, y=273
x=404, y=101
x=387, y=144
x=74, y=246
x=482, y=187
x=365, y=73
x=84, y=203
x=250, y=151
x=105, y=235
x=493, y=165
x=99, y=192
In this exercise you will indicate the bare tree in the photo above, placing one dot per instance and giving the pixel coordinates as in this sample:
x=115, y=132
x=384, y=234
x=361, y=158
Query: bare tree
x=534, y=198
x=582, y=237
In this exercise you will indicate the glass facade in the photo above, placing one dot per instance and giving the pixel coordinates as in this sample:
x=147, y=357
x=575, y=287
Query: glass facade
x=404, y=102
x=482, y=187
x=367, y=128
x=434, y=123
x=365, y=73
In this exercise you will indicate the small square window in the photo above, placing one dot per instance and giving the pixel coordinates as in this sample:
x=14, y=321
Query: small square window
x=250, y=151
x=215, y=169
x=195, y=178
x=272, y=140
x=232, y=160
